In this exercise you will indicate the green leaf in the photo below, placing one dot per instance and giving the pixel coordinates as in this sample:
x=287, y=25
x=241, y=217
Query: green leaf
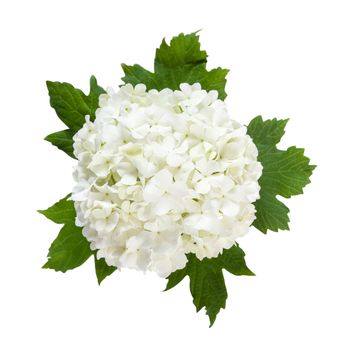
x=69, y=250
x=71, y=104
x=207, y=284
x=176, y=277
x=181, y=61
x=268, y=132
x=285, y=173
x=102, y=269
x=93, y=97
x=136, y=74
x=62, y=140
x=62, y=212
x=233, y=261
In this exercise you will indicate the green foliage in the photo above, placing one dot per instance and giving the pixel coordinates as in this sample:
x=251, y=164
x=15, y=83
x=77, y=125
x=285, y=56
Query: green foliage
x=62, y=140
x=285, y=173
x=71, y=106
x=70, y=249
x=102, y=269
x=207, y=284
x=181, y=61
x=69, y=103
x=62, y=212
x=93, y=97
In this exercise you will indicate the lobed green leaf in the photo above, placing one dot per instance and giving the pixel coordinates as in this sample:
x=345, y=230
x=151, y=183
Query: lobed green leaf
x=207, y=284
x=285, y=173
x=71, y=106
x=181, y=61
x=136, y=75
x=71, y=249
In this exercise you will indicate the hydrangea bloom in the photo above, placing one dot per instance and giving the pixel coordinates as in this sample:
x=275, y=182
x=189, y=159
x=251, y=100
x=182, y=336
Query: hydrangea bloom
x=161, y=174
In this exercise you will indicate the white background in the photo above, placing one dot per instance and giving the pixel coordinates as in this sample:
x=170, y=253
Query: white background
x=287, y=59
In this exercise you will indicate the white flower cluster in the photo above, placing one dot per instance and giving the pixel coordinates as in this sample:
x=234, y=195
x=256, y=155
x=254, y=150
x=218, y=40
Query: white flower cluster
x=161, y=174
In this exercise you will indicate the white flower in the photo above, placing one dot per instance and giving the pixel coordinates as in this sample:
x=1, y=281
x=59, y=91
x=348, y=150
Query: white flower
x=164, y=194
x=163, y=174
